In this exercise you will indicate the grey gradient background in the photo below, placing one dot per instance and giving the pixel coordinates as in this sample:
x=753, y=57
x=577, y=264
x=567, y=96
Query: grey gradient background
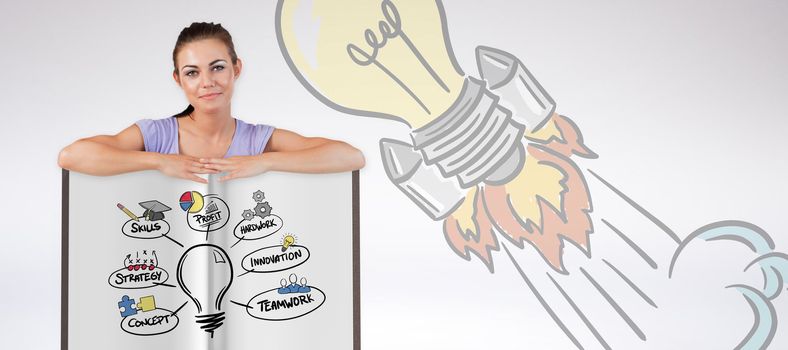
x=685, y=102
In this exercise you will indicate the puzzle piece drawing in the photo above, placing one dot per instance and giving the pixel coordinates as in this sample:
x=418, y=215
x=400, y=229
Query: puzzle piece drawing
x=147, y=303
x=126, y=306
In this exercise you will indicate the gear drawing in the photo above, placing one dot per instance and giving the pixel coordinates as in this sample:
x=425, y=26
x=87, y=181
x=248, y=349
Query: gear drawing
x=258, y=196
x=262, y=209
x=248, y=214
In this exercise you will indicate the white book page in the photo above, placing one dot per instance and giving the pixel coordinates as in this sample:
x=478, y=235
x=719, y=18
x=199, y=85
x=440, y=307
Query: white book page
x=104, y=241
x=316, y=312
x=167, y=268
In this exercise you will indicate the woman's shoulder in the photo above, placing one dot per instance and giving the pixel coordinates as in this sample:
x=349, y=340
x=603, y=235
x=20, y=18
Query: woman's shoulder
x=252, y=138
x=244, y=124
x=253, y=128
x=168, y=122
x=159, y=135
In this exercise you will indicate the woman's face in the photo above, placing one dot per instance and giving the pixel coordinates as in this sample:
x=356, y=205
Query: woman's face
x=206, y=74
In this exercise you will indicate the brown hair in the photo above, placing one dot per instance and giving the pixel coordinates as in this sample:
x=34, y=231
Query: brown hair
x=199, y=31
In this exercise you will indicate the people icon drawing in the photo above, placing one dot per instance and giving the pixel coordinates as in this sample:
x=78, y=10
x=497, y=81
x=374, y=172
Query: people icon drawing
x=304, y=288
x=284, y=289
x=293, y=287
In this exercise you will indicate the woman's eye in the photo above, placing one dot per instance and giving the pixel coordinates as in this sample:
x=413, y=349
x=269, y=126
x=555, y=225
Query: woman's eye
x=189, y=73
x=218, y=67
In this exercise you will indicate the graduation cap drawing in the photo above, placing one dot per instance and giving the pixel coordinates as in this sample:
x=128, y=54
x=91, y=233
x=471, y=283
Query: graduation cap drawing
x=154, y=210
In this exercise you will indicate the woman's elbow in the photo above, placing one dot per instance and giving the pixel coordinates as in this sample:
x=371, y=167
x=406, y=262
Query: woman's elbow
x=65, y=158
x=358, y=160
x=352, y=158
x=70, y=155
x=355, y=158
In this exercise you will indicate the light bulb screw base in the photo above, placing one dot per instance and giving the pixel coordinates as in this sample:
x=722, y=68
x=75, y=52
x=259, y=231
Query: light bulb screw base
x=210, y=322
x=475, y=140
x=478, y=139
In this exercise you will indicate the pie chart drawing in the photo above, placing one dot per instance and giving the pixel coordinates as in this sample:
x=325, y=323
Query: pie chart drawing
x=192, y=201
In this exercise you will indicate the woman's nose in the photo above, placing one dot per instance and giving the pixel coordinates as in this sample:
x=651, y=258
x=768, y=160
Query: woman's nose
x=207, y=81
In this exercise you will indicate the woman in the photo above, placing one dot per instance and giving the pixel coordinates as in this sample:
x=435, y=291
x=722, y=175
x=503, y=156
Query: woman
x=205, y=138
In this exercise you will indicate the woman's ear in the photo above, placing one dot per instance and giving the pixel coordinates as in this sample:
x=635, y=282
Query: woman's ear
x=177, y=79
x=237, y=67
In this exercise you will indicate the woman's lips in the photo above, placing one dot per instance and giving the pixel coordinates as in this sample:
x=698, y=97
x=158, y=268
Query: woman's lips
x=210, y=96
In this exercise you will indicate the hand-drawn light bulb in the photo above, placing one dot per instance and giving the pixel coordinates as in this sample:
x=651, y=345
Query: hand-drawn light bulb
x=392, y=59
x=288, y=241
x=372, y=58
x=205, y=273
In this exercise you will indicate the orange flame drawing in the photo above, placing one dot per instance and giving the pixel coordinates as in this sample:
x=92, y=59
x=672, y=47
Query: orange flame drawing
x=546, y=204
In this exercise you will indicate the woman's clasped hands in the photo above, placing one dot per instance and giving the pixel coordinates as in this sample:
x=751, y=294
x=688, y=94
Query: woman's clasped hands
x=187, y=167
x=237, y=166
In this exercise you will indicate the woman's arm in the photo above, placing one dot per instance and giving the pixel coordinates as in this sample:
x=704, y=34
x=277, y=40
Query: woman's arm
x=291, y=152
x=122, y=153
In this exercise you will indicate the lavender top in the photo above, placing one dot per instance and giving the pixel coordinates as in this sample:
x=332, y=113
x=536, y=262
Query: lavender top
x=161, y=136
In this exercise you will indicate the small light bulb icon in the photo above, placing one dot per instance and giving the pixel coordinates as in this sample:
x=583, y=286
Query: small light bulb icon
x=288, y=241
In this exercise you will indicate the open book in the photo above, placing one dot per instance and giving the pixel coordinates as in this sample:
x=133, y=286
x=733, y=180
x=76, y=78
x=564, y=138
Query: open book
x=155, y=262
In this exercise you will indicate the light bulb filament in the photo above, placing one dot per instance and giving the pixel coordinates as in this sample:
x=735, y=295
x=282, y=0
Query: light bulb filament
x=389, y=29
